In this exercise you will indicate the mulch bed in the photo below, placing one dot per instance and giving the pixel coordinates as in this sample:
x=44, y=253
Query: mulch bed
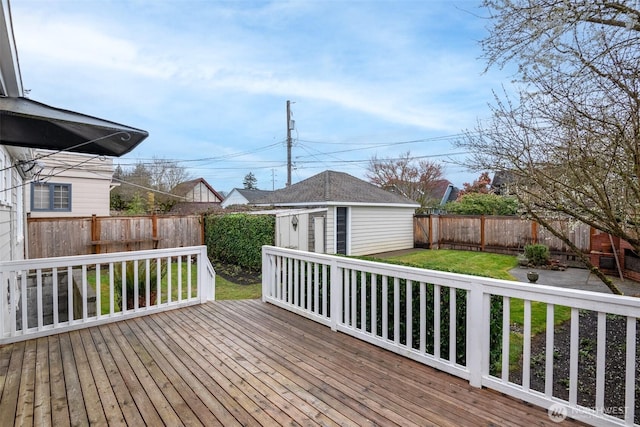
x=236, y=274
x=615, y=350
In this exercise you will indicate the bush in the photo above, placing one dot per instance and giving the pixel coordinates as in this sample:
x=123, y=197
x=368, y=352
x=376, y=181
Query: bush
x=537, y=254
x=238, y=238
x=483, y=204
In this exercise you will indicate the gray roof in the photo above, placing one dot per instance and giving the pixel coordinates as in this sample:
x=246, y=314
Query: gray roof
x=252, y=194
x=331, y=186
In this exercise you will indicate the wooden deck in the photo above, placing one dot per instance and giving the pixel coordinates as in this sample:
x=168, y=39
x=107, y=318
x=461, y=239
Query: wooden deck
x=234, y=363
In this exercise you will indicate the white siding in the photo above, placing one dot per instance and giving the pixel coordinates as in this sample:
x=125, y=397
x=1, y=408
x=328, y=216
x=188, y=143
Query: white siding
x=234, y=198
x=90, y=179
x=330, y=230
x=11, y=233
x=380, y=229
x=201, y=193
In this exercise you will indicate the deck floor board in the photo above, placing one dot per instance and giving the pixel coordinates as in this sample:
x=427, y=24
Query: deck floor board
x=235, y=363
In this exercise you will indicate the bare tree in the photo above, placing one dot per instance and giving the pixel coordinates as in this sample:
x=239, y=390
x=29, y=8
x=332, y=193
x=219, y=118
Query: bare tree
x=150, y=181
x=410, y=177
x=570, y=137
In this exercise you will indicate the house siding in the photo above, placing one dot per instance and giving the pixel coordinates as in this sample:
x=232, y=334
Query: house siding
x=234, y=198
x=200, y=193
x=330, y=231
x=379, y=229
x=90, y=179
x=11, y=214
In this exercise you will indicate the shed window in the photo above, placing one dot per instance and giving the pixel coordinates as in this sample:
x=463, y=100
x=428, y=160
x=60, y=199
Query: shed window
x=50, y=197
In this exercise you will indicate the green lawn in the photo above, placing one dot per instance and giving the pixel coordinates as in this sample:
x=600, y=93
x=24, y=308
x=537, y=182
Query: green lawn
x=228, y=290
x=487, y=265
x=104, y=285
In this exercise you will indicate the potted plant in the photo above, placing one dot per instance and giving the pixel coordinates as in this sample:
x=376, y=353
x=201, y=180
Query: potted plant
x=532, y=276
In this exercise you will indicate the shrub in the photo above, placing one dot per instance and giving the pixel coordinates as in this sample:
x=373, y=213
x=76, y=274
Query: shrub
x=537, y=254
x=130, y=277
x=238, y=238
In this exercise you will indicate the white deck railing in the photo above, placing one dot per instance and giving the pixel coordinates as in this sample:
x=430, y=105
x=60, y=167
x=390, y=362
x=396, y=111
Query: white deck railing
x=50, y=295
x=407, y=310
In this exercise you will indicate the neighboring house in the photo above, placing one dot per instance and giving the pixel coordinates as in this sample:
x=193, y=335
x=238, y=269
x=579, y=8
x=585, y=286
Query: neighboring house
x=243, y=196
x=195, y=196
x=443, y=191
x=345, y=215
x=70, y=184
x=502, y=183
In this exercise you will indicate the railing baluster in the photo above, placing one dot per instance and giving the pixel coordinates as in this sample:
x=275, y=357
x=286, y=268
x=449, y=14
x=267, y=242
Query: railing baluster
x=423, y=317
x=39, y=302
x=354, y=298
x=169, y=280
x=526, y=347
x=159, y=280
x=98, y=295
x=136, y=285
x=147, y=282
x=112, y=289
x=630, y=372
x=123, y=286
x=573, y=358
x=85, y=313
x=374, y=304
x=310, y=283
x=24, y=297
x=316, y=289
x=70, y=312
x=325, y=293
x=409, y=315
x=436, y=322
x=385, y=307
x=179, y=269
x=452, y=325
x=548, y=369
x=189, y=277
x=601, y=358
x=363, y=301
x=396, y=310
x=506, y=337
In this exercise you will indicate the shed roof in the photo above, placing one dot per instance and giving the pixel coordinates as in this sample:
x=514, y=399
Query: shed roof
x=333, y=187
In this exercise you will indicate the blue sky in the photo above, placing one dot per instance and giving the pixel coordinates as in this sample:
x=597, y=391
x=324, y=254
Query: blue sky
x=209, y=80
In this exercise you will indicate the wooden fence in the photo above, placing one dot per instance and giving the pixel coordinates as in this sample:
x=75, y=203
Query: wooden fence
x=55, y=237
x=501, y=234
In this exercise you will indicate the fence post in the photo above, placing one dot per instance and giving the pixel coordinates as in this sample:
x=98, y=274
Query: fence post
x=336, y=294
x=477, y=334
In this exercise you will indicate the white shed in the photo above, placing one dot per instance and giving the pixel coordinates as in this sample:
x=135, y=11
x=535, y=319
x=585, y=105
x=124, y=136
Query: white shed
x=350, y=216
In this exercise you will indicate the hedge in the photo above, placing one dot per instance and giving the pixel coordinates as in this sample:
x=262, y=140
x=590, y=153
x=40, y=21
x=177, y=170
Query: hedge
x=238, y=238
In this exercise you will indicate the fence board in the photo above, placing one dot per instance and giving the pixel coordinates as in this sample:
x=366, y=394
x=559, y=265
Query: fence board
x=55, y=237
x=494, y=233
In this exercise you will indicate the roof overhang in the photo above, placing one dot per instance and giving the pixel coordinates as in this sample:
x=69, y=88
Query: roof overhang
x=27, y=123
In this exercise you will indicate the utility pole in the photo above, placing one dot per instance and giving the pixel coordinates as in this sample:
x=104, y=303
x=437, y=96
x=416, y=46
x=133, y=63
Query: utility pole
x=289, y=143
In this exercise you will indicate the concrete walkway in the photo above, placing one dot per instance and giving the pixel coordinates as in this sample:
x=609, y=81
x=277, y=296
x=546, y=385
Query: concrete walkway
x=576, y=278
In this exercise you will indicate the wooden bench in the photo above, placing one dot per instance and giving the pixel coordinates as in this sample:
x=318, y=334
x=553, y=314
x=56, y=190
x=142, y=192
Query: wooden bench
x=97, y=243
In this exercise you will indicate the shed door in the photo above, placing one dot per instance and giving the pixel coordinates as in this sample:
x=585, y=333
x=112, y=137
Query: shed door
x=341, y=230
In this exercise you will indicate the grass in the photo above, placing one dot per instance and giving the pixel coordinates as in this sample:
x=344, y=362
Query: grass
x=494, y=266
x=483, y=264
x=104, y=286
x=226, y=290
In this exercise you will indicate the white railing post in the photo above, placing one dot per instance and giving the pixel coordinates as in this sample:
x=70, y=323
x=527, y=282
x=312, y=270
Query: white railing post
x=477, y=327
x=267, y=275
x=335, y=299
x=206, y=277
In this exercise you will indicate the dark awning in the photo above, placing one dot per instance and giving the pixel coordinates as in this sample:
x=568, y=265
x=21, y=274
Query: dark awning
x=27, y=123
